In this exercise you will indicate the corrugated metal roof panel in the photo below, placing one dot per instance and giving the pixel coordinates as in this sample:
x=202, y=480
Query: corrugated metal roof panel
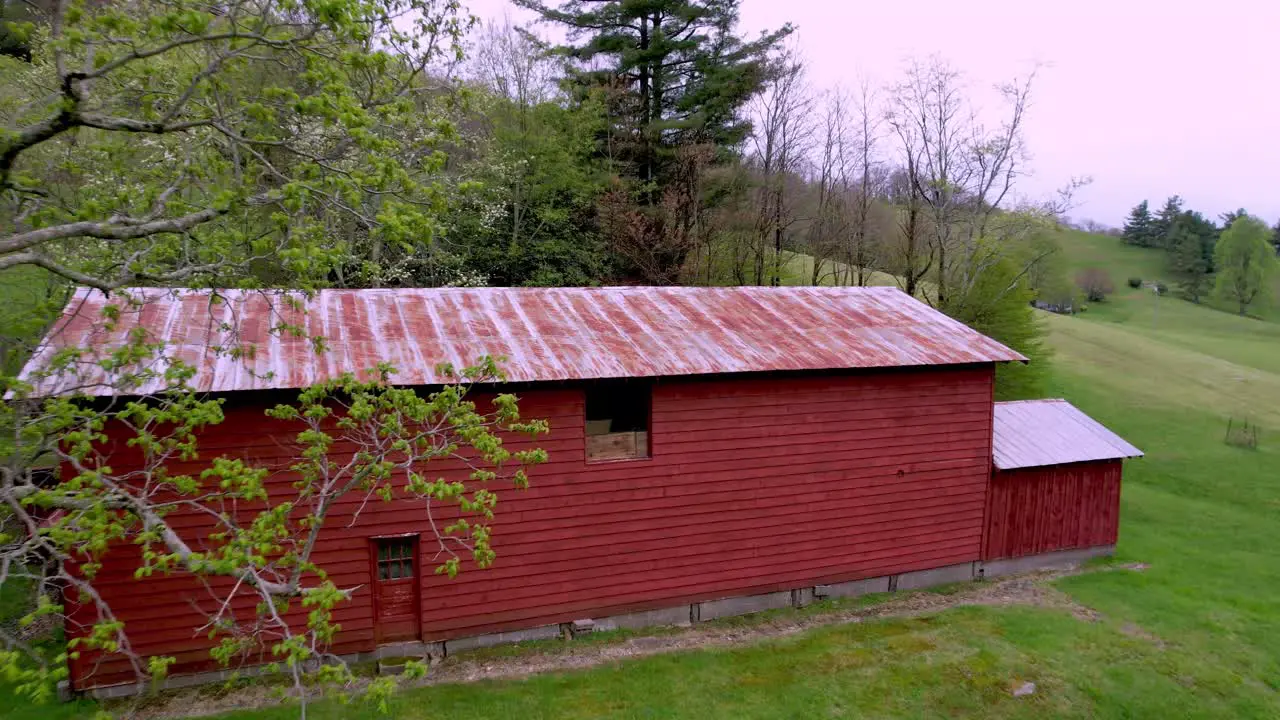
x=1032, y=433
x=545, y=333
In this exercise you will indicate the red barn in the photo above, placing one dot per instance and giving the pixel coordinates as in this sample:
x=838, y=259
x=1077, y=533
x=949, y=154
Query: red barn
x=713, y=451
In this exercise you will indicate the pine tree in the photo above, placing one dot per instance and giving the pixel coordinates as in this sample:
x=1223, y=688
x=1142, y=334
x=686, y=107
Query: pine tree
x=675, y=78
x=1139, y=227
x=685, y=73
x=1230, y=217
x=1187, y=261
x=1205, y=232
x=1164, y=222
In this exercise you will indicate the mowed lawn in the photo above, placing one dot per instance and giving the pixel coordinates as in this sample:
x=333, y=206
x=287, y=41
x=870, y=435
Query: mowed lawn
x=1195, y=634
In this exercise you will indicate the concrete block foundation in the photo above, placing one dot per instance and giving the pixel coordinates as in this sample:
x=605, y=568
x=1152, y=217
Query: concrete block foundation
x=963, y=572
x=853, y=588
x=413, y=649
x=677, y=615
x=1045, y=561
x=542, y=632
x=743, y=605
x=680, y=615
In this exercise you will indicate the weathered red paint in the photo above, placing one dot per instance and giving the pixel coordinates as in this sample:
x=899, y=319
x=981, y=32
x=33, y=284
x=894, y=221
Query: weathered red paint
x=755, y=483
x=1056, y=507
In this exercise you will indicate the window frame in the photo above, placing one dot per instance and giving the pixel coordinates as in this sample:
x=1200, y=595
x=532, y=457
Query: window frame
x=401, y=552
x=645, y=386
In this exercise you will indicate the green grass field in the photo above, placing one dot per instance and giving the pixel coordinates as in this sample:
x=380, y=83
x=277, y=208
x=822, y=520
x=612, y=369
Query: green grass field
x=798, y=270
x=1196, y=634
x=1122, y=262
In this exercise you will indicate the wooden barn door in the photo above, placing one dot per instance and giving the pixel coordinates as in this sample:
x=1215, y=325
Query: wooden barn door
x=395, y=589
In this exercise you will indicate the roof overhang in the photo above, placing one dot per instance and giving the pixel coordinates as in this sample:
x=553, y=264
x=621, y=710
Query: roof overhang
x=1035, y=433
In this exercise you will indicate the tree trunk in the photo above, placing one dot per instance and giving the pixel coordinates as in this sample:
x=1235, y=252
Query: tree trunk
x=777, y=239
x=942, y=277
x=646, y=100
x=910, y=264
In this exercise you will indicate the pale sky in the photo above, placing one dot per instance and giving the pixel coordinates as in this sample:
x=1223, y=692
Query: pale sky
x=1149, y=97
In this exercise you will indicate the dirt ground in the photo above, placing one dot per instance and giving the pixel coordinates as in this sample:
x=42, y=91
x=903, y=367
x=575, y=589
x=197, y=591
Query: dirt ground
x=1032, y=589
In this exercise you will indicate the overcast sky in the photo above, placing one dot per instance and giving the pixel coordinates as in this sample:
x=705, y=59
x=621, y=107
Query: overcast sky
x=1149, y=97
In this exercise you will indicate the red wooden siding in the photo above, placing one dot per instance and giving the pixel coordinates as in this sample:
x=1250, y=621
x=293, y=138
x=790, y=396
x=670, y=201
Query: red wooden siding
x=754, y=484
x=1058, y=507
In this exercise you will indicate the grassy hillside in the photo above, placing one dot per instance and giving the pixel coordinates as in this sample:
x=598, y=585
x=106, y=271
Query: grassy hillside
x=1123, y=261
x=798, y=270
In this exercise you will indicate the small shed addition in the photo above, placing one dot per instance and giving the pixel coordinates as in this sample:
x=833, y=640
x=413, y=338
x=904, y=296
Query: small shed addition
x=1055, y=483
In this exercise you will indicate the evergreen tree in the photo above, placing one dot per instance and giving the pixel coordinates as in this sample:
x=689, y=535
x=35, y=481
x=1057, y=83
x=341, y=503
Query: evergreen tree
x=686, y=73
x=1187, y=262
x=1245, y=261
x=1275, y=237
x=676, y=78
x=1138, y=229
x=1230, y=217
x=1165, y=221
x=1205, y=231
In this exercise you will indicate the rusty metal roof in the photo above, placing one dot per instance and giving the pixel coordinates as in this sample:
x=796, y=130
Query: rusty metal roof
x=544, y=333
x=1031, y=433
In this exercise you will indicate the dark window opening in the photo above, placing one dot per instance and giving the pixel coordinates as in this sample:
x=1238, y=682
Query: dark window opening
x=618, y=420
x=395, y=559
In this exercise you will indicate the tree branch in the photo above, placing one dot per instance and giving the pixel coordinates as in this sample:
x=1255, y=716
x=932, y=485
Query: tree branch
x=113, y=229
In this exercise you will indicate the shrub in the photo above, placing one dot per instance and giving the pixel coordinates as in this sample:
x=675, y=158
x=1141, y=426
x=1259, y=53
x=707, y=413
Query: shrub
x=1096, y=283
x=1135, y=282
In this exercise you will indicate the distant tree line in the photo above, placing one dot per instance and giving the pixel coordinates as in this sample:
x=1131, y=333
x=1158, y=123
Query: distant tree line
x=1235, y=261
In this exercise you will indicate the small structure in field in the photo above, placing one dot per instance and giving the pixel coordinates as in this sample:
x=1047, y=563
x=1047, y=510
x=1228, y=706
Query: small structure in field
x=1241, y=433
x=1056, y=481
x=1061, y=308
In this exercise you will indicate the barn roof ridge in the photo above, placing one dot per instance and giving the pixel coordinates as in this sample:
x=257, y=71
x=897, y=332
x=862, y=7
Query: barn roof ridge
x=546, y=334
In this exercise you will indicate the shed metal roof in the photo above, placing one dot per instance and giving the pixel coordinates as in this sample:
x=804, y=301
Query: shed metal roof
x=1031, y=433
x=545, y=334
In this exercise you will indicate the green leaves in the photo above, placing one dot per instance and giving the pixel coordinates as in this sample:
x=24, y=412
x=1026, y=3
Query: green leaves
x=1245, y=262
x=286, y=118
x=158, y=667
x=997, y=302
x=396, y=433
